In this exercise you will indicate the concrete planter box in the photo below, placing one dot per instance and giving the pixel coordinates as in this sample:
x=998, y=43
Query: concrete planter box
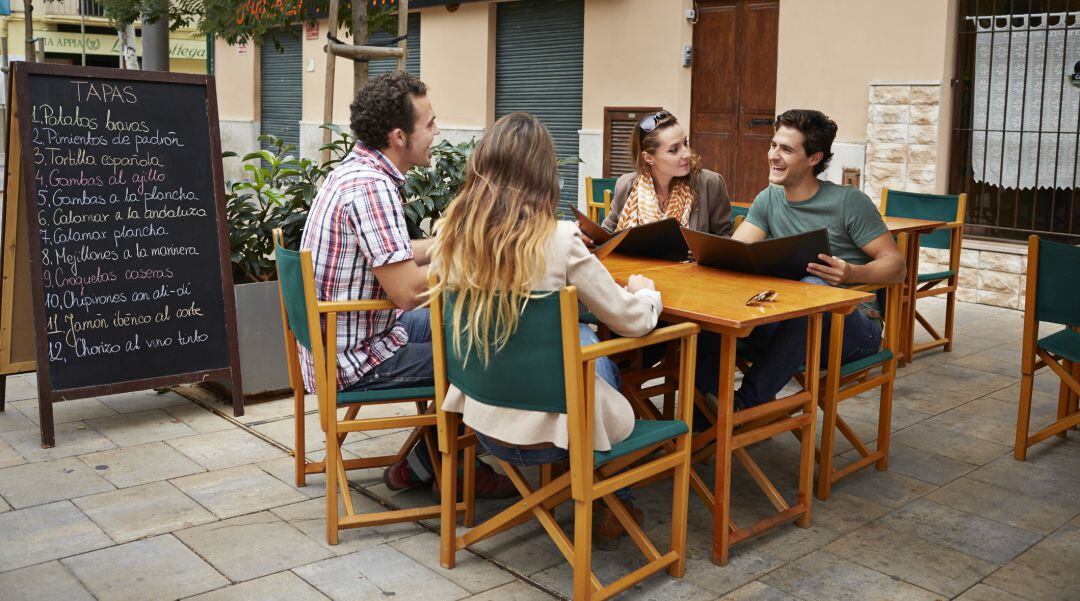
x=262, y=345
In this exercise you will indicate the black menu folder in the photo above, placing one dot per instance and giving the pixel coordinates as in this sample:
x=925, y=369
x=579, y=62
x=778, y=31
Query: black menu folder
x=657, y=240
x=785, y=257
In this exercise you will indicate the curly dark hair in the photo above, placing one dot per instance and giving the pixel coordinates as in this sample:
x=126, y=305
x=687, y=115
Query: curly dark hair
x=383, y=105
x=818, y=133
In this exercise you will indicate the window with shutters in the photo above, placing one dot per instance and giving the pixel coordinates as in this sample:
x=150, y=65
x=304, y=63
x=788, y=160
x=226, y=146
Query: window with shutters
x=619, y=122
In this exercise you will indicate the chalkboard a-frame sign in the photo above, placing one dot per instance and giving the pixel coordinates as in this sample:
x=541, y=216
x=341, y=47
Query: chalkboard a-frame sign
x=124, y=244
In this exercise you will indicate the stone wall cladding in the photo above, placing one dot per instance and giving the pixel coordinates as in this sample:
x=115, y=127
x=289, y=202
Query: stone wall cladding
x=990, y=274
x=901, y=136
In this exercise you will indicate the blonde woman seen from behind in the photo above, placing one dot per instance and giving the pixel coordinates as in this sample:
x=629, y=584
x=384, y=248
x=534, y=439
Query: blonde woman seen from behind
x=498, y=242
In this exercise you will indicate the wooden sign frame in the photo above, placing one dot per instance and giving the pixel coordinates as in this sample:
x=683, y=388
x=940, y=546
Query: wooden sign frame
x=20, y=186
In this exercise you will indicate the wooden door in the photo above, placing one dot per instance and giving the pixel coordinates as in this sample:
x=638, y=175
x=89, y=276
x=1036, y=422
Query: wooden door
x=733, y=99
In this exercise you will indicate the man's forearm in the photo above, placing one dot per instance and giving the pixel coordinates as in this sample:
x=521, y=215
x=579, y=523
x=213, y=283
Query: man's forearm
x=422, y=250
x=886, y=270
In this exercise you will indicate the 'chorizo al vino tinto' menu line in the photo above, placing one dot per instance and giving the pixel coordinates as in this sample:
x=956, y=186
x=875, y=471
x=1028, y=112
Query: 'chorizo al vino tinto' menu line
x=126, y=217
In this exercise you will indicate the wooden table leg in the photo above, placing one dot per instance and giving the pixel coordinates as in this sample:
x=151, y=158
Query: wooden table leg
x=724, y=422
x=907, y=301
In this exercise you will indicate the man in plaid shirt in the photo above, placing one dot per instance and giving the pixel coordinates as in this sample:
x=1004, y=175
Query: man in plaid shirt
x=361, y=249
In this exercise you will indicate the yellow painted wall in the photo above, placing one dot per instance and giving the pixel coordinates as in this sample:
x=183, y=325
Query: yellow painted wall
x=457, y=62
x=830, y=50
x=315, y=80
x=237, y=74
x=633, y=57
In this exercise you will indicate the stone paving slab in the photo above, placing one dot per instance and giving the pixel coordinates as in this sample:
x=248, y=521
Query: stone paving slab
x=145, y=510
x=12, y=419
x=378, y=573
x=1042, y=573
x=236, y=491
x=515, y=591
x=66, y=411
x=982, y=592
x=472, y=573
x=47, y=481
x=230, y=448
x=758, y=591
x=309, y=517
x=912, y=559
x=42, y=582
x=252, y=546
x=140, y=427
x=921, y=464
x=73, y=438
x=142, y=400
x=826, y=577
x=199, y=419
x=131, y=466
x=283, y=586
x=153, y=568
x=989, y=540
x=950, y=444
x=9, y=456
x=47, y=532
x=1003, y=505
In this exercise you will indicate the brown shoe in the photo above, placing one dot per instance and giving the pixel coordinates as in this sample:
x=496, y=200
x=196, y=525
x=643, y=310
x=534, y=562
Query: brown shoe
x=606, y=527
x=489, y=484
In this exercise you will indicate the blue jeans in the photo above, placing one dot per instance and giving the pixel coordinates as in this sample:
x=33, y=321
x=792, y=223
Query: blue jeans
x=779, y=350
x=411, y=365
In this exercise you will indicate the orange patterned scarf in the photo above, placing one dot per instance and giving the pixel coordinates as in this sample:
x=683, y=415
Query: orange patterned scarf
x=643, y=206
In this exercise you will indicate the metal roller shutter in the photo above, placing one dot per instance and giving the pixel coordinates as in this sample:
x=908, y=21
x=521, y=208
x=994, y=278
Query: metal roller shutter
x=538, y=69
x=412, y=62
x=282, y=89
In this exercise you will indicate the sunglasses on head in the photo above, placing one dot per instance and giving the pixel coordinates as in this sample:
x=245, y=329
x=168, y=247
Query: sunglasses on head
x=648, y=124
x=762, y=297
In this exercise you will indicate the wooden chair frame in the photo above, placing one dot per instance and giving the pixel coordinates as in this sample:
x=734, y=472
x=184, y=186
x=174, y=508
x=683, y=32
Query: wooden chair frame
x=584, y=483
x=1034, y=359
x=737, y=430
x=592, y=208
x=932, y=288
x=325, y=367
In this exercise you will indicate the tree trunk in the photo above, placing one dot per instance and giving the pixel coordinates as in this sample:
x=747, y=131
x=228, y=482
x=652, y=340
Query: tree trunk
x=128, y=58
x=360, y=38
x=156, y=38
x=29, y=31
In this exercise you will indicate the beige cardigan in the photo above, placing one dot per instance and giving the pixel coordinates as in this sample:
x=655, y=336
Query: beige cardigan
x=570, y=263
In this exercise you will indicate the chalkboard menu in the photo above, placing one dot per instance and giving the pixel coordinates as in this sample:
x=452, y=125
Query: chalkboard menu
x=122, y=193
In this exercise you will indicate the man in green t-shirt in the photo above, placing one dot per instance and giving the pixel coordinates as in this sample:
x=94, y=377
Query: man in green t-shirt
x=863, y=251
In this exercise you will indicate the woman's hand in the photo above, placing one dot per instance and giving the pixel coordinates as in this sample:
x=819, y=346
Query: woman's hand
x=639, y=282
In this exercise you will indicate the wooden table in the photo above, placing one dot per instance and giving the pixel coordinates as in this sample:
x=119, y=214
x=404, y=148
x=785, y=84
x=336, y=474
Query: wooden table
x=912, y=227
x=716, y=300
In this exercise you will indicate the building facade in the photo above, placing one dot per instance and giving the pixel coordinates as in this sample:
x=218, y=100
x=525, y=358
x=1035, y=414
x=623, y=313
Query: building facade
x=886, y=72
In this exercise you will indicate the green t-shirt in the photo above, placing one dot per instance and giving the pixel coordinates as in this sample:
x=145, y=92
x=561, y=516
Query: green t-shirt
x=848, y=214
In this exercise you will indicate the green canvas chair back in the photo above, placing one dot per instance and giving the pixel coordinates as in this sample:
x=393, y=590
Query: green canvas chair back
x=599, y=186
x=932, y=207
x=737, y=211
x=1058, y=288
x=291, y=281
x=527, y=373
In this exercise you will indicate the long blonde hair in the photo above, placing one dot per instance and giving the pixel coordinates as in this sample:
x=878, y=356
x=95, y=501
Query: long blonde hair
x=490, y=242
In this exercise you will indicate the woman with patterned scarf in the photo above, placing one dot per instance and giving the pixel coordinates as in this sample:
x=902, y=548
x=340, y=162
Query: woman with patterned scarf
x=668, y=182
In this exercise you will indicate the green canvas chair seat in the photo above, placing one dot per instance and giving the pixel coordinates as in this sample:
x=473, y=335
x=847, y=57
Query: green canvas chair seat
x=937, y=275
x=1051, y=296
x=1065, y=343
x=646, y=433
x=384, y=396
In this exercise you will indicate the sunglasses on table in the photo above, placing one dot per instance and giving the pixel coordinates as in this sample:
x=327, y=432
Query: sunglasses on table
x=767, y=296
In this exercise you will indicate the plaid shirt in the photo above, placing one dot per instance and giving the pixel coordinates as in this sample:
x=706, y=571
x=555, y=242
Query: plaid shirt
x=356, y=223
